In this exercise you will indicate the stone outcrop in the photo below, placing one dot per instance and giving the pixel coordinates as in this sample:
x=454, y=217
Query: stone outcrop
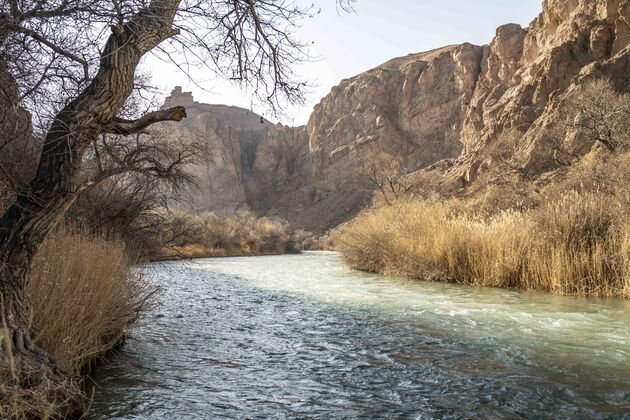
x=410, y=108
x=247, y=161
x=451, y=117
x=526, y=73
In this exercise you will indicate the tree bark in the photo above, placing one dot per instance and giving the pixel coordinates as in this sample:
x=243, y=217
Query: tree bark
x=56, y=184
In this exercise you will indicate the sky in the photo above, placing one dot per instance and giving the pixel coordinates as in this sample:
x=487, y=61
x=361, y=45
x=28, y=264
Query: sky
x=346, y=44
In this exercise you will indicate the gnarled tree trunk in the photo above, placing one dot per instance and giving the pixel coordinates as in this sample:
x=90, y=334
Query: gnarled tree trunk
x=56, y=184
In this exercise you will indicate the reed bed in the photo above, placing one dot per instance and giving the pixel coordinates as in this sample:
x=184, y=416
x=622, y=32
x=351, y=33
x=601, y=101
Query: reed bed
x=576, y=245
x=85, y=293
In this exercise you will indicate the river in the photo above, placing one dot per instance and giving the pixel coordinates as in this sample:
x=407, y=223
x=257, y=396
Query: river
x=301, y=336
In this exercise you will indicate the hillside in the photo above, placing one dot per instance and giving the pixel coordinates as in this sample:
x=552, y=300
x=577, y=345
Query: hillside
x=463, y=120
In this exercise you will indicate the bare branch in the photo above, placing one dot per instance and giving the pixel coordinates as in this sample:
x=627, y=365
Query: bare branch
x=388, y=176
x=125, y=127
x=54, y=47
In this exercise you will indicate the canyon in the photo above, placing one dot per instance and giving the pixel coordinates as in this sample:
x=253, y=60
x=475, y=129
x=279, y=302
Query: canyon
x=477, y=122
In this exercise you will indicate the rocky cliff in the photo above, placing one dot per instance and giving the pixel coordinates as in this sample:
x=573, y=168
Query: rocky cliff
x=458, y=120
x=511, y=132
x=246, y=162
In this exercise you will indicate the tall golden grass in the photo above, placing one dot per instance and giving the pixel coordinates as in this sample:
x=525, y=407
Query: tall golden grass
x=577, y=245
x=84, y=295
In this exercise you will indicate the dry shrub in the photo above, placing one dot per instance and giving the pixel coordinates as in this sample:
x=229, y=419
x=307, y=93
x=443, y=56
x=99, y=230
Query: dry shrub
x=84, y=295
x=586, y=247
x=305, y=240
x=30, y=391
x=579, y=244
x=238, y=234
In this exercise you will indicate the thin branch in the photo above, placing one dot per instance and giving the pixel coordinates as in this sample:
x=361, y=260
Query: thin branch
x=39, y=38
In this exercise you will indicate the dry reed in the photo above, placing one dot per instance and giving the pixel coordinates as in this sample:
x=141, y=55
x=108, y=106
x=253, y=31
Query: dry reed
x=241, y=233
x=84, y=295
x=578, y=245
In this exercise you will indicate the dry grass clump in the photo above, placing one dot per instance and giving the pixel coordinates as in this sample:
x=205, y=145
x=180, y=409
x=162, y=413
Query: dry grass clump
x=28, y=391
x=84, y=296
x=586, y=251
x=84, y=293
x=238, y=234
x=578, y=245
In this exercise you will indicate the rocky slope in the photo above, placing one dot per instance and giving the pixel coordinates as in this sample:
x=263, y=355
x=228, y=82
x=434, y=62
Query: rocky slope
x=460, y=120
x=512, y=128
x=526, y=72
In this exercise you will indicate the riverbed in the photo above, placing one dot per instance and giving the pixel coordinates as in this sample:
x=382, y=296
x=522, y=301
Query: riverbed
x=302, y=336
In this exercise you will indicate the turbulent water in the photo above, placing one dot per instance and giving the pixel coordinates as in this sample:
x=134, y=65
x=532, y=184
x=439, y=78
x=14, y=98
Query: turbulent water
x=302, y=336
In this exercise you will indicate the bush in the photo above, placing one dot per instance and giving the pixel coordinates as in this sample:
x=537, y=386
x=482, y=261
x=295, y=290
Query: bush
x=579, y=244
x=239, y=234
x=84, y=295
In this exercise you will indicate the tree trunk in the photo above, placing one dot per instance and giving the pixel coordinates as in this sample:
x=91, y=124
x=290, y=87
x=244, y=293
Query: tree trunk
x=56, y=184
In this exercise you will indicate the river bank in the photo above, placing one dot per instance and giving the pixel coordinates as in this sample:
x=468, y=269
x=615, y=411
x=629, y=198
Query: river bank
x=302, y=336
x=86, y=291
x=237, y=234
x=85, y=294
x=577, y=244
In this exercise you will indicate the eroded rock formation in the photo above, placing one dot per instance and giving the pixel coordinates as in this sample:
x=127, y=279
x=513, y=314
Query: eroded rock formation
x=452, y=117
x=247, y=161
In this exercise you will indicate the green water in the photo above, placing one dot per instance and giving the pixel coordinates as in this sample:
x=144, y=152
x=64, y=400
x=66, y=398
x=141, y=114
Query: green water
x=302, y=336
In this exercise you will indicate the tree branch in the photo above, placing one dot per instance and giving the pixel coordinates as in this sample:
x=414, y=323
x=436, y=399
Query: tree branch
x=125, y=127
x=39, y=38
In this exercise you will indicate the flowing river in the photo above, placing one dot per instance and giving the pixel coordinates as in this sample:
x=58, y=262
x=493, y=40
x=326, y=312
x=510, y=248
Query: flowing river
x=301, y=336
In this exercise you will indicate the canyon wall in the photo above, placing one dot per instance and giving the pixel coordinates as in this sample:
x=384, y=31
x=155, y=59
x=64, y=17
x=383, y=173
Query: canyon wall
x=456, y=119
x=246, y=160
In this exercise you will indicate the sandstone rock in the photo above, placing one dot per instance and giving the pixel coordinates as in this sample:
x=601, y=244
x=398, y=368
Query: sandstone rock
x=246, y=163
x=442, y=114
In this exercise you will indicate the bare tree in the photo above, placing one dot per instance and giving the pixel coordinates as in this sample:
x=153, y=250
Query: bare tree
x=133, y=207
x=387, y=175
x=600, y=113
x=75, y=62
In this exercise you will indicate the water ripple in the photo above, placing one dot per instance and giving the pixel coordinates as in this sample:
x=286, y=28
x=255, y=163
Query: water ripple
x=300, y=336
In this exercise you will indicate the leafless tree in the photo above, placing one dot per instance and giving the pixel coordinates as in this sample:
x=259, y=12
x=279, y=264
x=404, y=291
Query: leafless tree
x=74, y=64
x=600, y=113
x=133, y=207
x=504, y=152
x=387, y=175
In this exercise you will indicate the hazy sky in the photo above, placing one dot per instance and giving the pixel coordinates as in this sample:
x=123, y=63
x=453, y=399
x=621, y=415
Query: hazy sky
x=348, y=44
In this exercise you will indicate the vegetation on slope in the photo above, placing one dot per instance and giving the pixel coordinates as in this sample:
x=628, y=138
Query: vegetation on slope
x=566, y=231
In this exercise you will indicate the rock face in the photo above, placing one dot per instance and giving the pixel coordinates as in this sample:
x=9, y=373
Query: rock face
x=449, y=117
x=525, y=74
x=247, y=161
x=410, y=108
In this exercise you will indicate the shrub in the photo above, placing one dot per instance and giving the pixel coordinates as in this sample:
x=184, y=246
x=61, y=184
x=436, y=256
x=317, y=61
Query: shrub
x=84, y=295
x=238, y=234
